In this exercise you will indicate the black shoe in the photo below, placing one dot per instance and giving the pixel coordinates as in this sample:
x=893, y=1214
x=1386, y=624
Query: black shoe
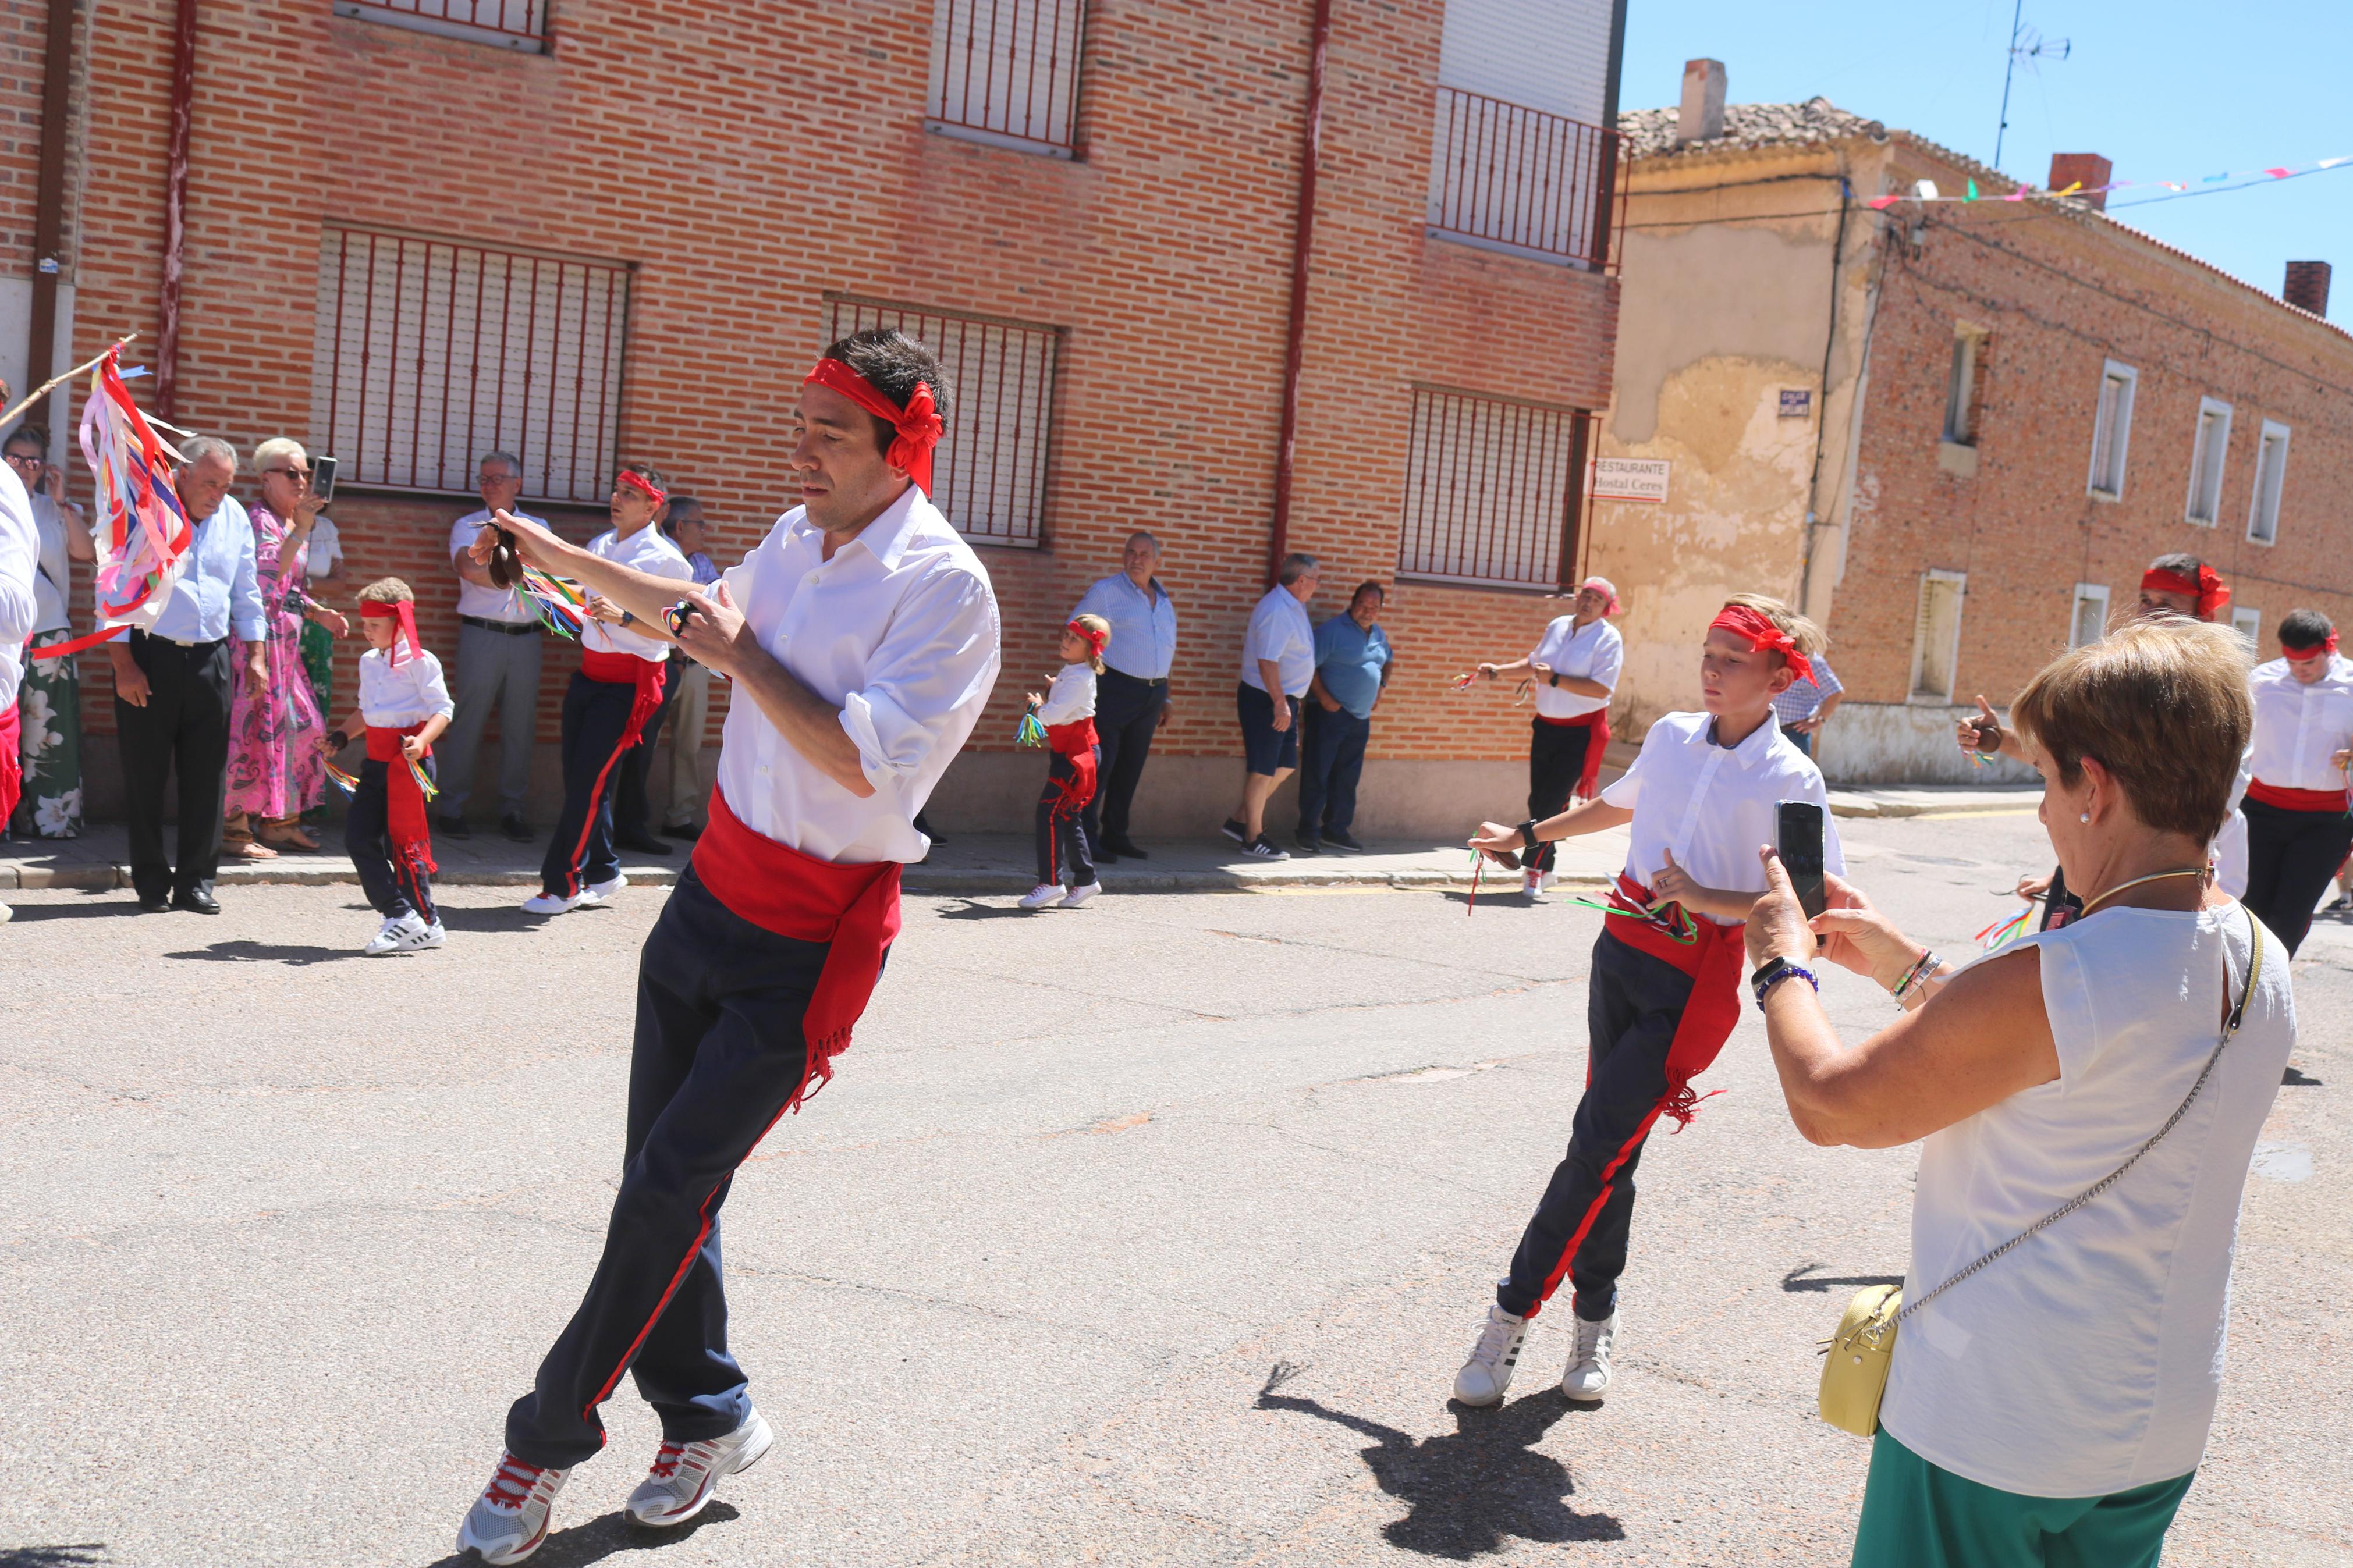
x=1264, y=848
x=516, y=830
x=1105, y=855
x=451, y=828
x=1307, y=845
x=196, y=902
x=1341, y=838
x=1123, y=849
x=1233, y=830
x=686, y=832
x=643, y=844
x=923, y=827
x=154, y=903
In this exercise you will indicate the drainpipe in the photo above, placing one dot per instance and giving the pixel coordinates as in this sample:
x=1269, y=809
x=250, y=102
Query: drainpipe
x=1822, y=415
x=49, y=200
x=175, y=209
x=1303, y=249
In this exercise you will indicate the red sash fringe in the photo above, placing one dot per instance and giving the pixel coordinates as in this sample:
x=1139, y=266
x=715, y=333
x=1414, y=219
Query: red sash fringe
x=405, y=821
x=1075, y=740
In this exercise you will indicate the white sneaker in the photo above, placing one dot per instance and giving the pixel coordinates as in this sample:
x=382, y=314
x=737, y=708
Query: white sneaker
x=602, y=892
x=549, y=904
x=1532, y=884
x=1039, y=897
x=1076, y=896
x=1588, y=1376
x=1488, y=1373
x=684, y=1475
x=408, y=933
x=6, y=914
x=1549, y=879
x=508, y=1521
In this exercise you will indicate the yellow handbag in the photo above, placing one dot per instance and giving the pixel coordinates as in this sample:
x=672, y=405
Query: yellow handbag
x=1856, y=1359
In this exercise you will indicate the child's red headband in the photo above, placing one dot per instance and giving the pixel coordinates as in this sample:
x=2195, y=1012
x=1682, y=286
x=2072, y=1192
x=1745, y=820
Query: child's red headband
x=2210, y=592
x=918, y=424
x=404, y=613
x=642, y=485
x=1763, y=636
x=2320, y=649
x=1093, y=639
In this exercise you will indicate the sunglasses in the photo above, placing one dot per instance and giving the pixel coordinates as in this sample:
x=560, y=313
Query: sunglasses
x=303, y=474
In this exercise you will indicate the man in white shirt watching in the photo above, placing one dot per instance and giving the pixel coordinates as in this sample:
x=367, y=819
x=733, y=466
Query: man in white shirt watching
x=2298, y=828
x=1278, y=664
x=499, y=651
x=1132, y=693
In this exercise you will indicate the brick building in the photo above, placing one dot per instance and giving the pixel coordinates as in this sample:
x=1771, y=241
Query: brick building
x=1955, y=432
x=413, y=230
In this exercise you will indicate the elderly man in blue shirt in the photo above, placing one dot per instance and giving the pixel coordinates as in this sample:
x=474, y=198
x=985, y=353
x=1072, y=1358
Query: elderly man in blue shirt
x=1352, y=667
x=1132, y=693
x=172, y=687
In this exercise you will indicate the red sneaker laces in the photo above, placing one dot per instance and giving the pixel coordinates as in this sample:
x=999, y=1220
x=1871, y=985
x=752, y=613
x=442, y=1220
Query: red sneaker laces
x=510, y=1488
x=666, y=1459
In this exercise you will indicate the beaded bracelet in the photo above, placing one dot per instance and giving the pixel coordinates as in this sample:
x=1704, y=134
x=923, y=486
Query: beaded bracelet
x=1925, y=965
x=1786, y=972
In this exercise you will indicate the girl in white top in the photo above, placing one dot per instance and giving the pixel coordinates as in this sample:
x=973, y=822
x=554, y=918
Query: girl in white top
x=2052, y=1407
x=1068, y=711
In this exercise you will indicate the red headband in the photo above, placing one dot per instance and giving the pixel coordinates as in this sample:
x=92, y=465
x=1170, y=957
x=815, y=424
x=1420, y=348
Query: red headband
x=918, y=424
x=2210, y=590
x=1763, y=636
x=2320, y=649
x=1095, y=640
x=642, y=485
x=404, y=612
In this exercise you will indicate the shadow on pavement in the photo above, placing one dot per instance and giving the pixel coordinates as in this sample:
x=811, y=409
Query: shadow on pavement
x=1795, y=1279
x=91, y=908
x=83, y=1556
x=509, y=917
x=973, y=910
x=1470, y=1490
x=607, y=1535
x=2295, y=1078
x=246, y=951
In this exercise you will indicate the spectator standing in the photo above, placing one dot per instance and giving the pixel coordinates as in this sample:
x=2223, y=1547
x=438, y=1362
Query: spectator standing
x=48, y=698
x=20, y=551
x=497, y=666
x=173, y=685
x=689, y=786
x=2298, y=828
x=1575, y=666
x=1131, y=698
x=1352, y=669
x=1807, y=706
x=322, y=564
x=633, y=812
x=1278, y=664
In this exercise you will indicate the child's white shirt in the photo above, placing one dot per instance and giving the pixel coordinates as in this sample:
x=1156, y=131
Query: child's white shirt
x=394, y=699
x=1072, y=697
x=1715, y=806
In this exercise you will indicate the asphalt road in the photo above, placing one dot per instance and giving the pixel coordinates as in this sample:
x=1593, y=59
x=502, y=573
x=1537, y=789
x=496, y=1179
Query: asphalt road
x=1151, y=1232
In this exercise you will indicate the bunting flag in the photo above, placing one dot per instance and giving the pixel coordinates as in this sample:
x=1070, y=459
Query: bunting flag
x=1927, y=190
x=556, y=601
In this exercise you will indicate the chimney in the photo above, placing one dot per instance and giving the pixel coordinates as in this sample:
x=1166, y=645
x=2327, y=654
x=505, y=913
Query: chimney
x=1702, y=116
x=2308, y=287
x=2088, y=170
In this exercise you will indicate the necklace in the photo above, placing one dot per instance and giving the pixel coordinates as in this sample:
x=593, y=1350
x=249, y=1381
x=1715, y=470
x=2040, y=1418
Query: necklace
x=2136, y=881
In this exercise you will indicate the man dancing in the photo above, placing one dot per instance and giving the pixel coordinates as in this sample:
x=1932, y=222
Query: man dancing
x=862, y=638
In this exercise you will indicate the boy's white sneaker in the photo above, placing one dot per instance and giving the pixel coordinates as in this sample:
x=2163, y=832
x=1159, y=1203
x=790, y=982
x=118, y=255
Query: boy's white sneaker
x=1080, y=895
x=1588, y=1376
x=1039, y=897
x=602, y=892
x=408, y=933
x=1532, y=884
x=508, y=1521
x=1488, y=1373
x=549, y=904
x=684, y=1475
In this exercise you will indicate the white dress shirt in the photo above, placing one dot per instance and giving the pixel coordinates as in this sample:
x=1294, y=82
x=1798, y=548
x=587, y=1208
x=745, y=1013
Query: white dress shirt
x=1714, y=807
x=506, y=604
x=1281, y=631
x=323, y=551
x=20, y=553
x=1142, y=627
x=1072, y=697
x=901, y=630
x=648, y=551
x=1594, y=652
x=216, y=594
x=2299, y=727
x=393, y=698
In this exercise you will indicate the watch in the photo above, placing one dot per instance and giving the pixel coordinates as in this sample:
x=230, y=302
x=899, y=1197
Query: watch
x=1773, y=971
x=1552, y=677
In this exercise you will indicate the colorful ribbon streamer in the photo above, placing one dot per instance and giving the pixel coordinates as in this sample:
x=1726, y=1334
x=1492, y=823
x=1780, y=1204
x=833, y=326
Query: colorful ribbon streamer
x=1926, y=191
x=343, y=781
x=556, y=601
x=1030, y=732
x=1670, y=918
x=425, y=784
x=2002, y=932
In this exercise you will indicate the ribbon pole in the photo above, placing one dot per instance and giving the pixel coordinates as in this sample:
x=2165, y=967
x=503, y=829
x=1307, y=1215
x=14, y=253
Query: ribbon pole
x=60, y=378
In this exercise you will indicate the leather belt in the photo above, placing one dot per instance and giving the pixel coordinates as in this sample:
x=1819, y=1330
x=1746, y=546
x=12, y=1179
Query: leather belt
x=142, y=636
x=1140, y=681
x=506, y=628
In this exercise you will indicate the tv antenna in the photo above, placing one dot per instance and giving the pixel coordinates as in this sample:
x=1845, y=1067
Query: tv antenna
x=2028, y=45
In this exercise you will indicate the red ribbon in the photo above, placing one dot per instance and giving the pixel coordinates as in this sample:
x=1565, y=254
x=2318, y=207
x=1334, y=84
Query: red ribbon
x=1075, y=741
x=404, y=613
x=1095, y=640
x=918, y=424
x=642, y=485
x=2320, y=649
x=2210, y=592
x=1763, y=636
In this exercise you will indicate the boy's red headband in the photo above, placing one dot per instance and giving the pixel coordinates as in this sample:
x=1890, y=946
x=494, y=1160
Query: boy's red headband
x=918, y=424
x=2320, y=649
x=1093, y=639
x=642, y=485
x=404, y=613
x=2210, y=592
x=1763, y=636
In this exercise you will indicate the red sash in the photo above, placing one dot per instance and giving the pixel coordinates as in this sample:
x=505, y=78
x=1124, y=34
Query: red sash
x=11, y=776
x=629, y=669
x=852, y=908
x=1713, y=959
x=1599, y=722
x=1075, y=740
x=405, y=823
x=2333, y=801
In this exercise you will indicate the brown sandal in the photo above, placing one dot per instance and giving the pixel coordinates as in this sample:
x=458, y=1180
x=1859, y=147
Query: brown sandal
x=289, y=835
x=237, y=844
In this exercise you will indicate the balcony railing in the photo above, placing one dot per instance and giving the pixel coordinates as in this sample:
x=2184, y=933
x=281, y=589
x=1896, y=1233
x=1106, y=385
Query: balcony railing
x=1518, y=179
x=1008, y=69
x=520, y=24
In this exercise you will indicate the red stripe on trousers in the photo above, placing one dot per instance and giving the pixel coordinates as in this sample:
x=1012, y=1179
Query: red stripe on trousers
x=1593, y=1210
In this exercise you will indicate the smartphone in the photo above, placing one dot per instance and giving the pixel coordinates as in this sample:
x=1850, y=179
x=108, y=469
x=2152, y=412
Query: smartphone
x=322, y=480
x=1800, y=845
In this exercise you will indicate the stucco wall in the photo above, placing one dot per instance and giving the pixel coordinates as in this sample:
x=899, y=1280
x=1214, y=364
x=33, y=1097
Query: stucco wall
x=1905, y=743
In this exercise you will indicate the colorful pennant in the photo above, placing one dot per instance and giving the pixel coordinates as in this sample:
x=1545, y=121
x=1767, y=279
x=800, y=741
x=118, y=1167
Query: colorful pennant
x=1926, y=191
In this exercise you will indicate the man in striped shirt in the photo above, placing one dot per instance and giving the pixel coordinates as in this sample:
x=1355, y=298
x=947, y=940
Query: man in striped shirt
x=1807, y=704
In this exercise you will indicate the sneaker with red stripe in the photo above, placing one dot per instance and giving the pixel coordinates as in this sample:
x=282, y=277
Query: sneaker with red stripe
x=684, y=1475
x=508, y=1521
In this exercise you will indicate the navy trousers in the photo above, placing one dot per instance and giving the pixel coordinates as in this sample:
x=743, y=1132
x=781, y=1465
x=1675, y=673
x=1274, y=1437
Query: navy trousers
x=393, y=887
x=632, y=811
x=580, y=852
x=1127, y=715
x=719, y=1055
x=1556, y=761
x=2292, y=857
x=1632, y=1006
x=1331, y=761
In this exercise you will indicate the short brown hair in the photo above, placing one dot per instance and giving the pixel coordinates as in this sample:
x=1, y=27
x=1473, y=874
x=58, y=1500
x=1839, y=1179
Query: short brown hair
x=387, y=591
x=2163, y=705
x=1810, y=638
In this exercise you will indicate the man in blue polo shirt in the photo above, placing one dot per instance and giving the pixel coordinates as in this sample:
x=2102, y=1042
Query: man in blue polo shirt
x=1352, y=666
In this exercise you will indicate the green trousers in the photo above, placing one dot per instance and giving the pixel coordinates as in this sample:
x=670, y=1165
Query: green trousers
x=1917, y=1515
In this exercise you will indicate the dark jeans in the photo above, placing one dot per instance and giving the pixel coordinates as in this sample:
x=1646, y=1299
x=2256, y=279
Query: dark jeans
x=1062, y=835
x=1633, y=1005
x=184, y=727
x=1127, y=713
x=2291, y=855
x=393, y=886
x=580, y=852
x=1556, y=761
x=632, y=811
x=1331, y=760
x=719, y=1055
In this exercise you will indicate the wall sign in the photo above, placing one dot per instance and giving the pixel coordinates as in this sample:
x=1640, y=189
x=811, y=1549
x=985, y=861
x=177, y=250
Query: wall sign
x=1796, y=403
x=1630, y=478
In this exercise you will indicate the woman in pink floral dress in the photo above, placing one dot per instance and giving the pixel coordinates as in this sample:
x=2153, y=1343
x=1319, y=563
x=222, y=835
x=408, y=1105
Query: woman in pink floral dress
x=276, y=770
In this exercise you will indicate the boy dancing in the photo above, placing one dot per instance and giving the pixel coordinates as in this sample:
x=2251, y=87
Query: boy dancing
x=1665, y=987
x=403, y=705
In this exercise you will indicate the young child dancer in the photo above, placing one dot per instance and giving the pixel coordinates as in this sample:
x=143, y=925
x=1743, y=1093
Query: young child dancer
x=1665, y=987
x=403, y=705
x=1068, y=711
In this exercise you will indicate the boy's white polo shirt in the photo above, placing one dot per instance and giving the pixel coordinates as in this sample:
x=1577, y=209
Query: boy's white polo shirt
x=1715, y=806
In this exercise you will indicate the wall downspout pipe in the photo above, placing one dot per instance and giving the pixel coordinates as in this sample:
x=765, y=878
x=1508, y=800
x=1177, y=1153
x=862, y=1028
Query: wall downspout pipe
x=49, y=200
x=1302, y=250
x=1822, y=414
x=175, y=209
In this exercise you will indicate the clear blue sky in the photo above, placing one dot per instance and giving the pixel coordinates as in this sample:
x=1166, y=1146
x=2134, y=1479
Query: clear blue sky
x=2166, y=89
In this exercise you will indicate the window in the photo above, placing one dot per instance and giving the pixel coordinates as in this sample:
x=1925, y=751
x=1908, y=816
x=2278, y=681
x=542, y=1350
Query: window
x=1937, y=636
x=988, y=474
x=2112, y=430
x=2271, y=472
x=2089, y=622
x=431, y=352
x=1961, y=387
x=2248, y=622
x=2207, y=451
x=1007, y=71
x=1493, y=491
x=520, y=24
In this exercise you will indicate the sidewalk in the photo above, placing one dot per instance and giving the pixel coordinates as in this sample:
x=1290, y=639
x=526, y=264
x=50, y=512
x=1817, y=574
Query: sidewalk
x=1932, y=800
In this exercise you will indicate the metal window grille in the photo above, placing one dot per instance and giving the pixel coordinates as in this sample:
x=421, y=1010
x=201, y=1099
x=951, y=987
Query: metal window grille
x=431, y=353
x=1495, y=493
x=1505, y=175
x=988, y=475
x=1007, y=67
x=516, y=23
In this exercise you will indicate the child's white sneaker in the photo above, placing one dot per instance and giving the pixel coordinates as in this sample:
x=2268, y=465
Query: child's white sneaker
x=405, y=933
x=508, y=1521
x=549, y=904
x=602, y=892
x=1488, y=1373
x=1076, y=896
x=1532, y=884
x=1588, y=1376
x=1039, y=897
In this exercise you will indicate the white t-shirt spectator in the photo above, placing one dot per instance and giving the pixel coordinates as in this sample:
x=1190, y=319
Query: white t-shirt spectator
x=487, y=603
x=1594, y=652
x=53, y=569
x=1281, y=631
x=325, y=549
x=648, y=551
